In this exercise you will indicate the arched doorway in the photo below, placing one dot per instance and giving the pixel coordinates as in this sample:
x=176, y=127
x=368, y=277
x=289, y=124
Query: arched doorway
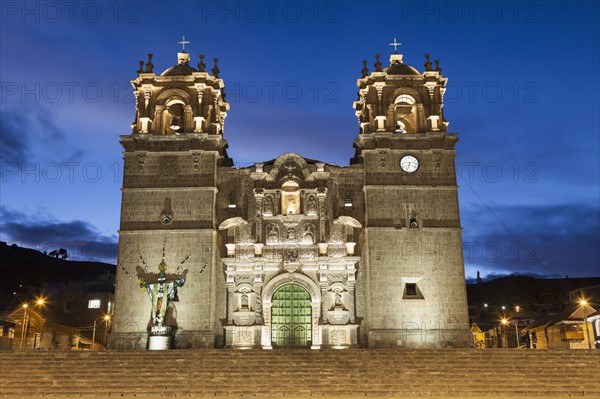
x=291, y=313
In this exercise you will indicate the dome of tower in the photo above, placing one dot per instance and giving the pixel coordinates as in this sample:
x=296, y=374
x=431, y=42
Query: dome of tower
x=399, y=68
x=182, y=68
x=179, y=70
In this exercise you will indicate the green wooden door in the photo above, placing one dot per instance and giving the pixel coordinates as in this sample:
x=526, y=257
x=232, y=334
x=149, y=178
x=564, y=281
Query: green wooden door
x=290, y=317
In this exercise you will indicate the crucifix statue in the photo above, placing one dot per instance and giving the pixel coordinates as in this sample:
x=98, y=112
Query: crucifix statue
x=161, y=293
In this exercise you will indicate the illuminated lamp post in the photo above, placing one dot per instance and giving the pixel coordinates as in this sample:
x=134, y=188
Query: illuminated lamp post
x=504, y=340
x=106, y=318
x=582, y=304
x=25, y=324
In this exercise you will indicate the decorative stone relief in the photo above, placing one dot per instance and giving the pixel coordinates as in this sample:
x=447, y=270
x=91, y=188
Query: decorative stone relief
x=308, y=237
x=141, y=158
x=268, y=206
x=272, y=234
x=196, y=160
x=291, y=235
x=382, y=159
x=311, y=205
x=169, y=167
x=244, y=278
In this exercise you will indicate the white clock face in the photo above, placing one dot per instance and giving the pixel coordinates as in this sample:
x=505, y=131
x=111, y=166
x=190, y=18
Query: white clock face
x=409, y=163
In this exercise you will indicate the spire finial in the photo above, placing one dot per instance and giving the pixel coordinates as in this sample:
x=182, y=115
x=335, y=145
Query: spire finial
x=365, y=70
x=437, y=66
x=141, y=70
x=395, y=44
x=149, y=64
x=201, y=64
x=183, y=42
x=427, y=63
x=377, y=63
x=215, y=69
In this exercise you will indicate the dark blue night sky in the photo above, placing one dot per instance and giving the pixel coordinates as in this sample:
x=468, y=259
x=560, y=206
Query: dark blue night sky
x=523, y=93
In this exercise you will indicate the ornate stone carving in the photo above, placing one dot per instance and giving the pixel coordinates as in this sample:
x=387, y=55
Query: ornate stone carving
x=169, y=167
x=272, y=234
x=291, y=235
x=141, y=160
x=268, y=205
x=196, y=160
x=244, y=278
x=308, y=236
x=311, y=205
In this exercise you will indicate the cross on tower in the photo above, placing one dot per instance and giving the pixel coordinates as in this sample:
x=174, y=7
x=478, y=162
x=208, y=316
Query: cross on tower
x=395, y=44
x=183, y=42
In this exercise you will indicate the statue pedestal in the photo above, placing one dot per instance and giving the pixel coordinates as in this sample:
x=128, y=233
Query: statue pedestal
x=160, y=337
x=158, y=342
x=338, y=316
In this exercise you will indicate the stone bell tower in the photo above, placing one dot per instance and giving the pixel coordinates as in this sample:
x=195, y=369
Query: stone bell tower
x=168, y=201
x=412, y=253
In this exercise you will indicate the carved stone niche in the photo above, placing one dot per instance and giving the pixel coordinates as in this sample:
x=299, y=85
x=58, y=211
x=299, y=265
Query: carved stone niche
x=268, y=206
x=311, y=205
x=338, y=313
x=290, y=198
x=244, y=305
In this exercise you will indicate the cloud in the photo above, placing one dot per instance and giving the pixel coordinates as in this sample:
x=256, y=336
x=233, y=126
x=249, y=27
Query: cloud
x=13, y=137
x=548, y=240
x=31, y=133
x=82, y=240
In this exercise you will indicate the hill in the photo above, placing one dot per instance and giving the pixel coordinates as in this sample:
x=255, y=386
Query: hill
x=529, y=293
x=25, y=270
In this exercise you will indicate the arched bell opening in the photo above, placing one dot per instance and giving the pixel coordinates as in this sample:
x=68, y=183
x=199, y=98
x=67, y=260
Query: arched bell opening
x=174, y=117
x=404, y=110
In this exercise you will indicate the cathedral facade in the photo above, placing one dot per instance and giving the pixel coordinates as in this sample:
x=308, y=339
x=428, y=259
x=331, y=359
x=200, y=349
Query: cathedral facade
x=291, y=252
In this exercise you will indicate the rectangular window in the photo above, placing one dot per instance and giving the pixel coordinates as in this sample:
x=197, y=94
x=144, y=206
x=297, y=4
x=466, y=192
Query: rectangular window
x=94, y=304
x=412, y=291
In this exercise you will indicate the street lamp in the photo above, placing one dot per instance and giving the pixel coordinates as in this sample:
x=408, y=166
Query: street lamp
x=40, y=301
x=505, y=323
x=583, y=303
x=106, y=318
x=24, y=324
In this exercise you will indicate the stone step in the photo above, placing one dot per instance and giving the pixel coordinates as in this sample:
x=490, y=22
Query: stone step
x=301, y=373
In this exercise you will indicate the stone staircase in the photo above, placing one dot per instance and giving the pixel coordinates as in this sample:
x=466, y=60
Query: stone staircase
x=354, y=373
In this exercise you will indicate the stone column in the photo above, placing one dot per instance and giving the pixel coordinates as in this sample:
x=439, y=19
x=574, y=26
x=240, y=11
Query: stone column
x=158, y=120
x=277, y=205
x=323, y=304
x=258, y=295
x=230, y=298
x=316, y=328
x=266, y=330
x=259, y=200
x=188, y=124
x=321, y=198
x=351, y=281
x=351, y=303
